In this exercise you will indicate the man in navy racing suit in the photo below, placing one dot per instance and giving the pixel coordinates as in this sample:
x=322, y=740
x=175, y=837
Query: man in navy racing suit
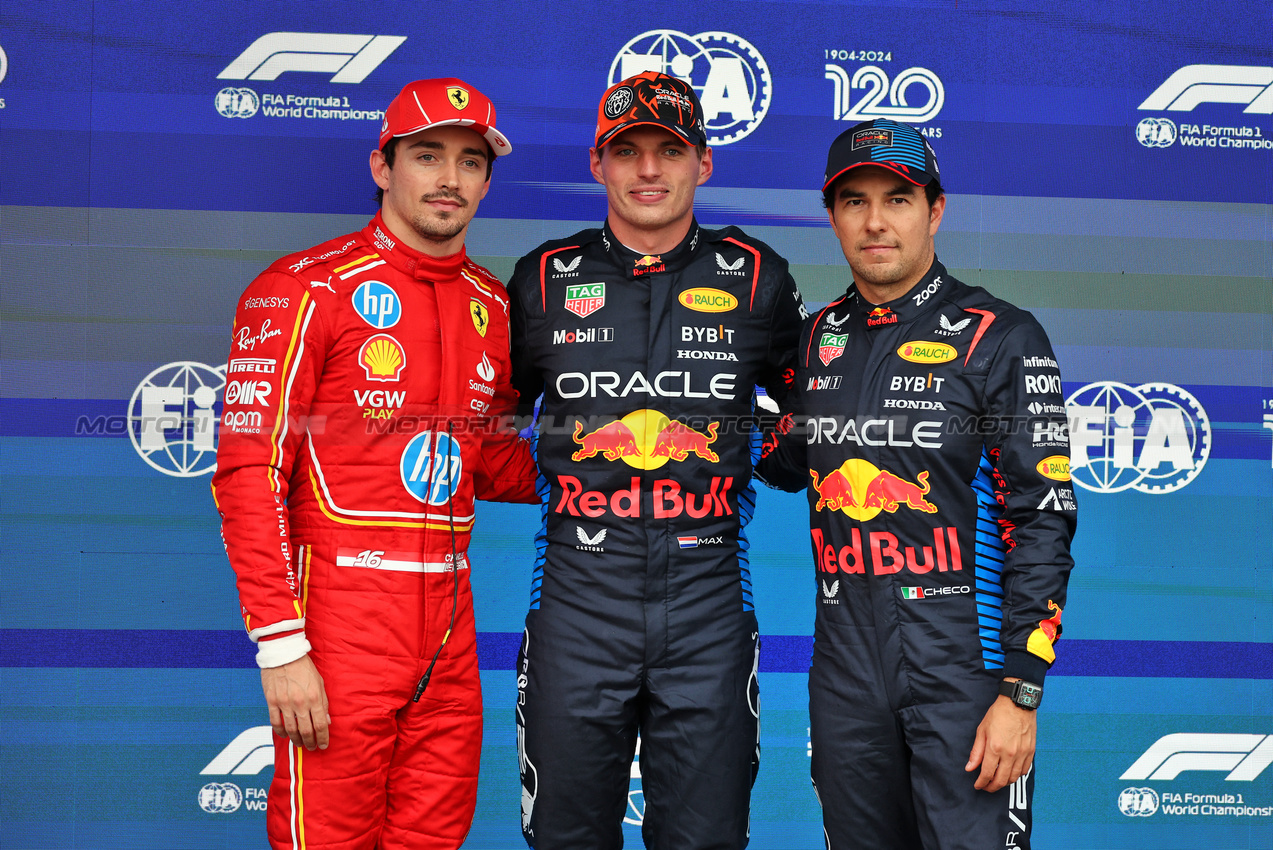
x=647, y=337
x=930, y=434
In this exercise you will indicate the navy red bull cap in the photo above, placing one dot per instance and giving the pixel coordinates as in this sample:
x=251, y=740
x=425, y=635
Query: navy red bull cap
x=889, y=144
x=654, y=99
x=442, y=102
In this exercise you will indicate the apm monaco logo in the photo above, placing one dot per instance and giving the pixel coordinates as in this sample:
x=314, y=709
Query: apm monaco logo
x=1195, y=86
x=727, y=72
x=1154, y=438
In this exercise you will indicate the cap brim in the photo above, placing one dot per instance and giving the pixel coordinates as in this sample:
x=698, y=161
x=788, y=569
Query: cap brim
x=671, y=128
x=886, y=165
x=500, y=145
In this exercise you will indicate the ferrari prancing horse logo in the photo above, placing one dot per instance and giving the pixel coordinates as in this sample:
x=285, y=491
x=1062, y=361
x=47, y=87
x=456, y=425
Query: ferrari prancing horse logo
x=481, y=318
x=458, y=96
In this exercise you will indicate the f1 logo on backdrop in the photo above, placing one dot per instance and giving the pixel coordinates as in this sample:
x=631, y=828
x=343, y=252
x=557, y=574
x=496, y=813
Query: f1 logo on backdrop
x=1248, y=86
x=348, y=58
x=729, y=75
x=1154, y=438
x=1193, y=85
x=1242, y=757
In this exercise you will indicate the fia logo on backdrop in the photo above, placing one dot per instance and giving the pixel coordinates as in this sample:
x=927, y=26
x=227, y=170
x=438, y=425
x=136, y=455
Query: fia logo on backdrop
x=726, y=71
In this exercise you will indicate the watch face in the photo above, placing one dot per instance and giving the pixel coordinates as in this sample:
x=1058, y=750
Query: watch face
x=1028, y=695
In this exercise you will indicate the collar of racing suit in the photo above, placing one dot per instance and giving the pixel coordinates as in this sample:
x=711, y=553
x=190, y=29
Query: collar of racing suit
x=636, y=264
x=921, y=298
x=408, y=260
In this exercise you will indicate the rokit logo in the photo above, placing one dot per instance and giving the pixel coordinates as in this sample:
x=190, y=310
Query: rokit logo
x=727, y=72
x=1195, y=86
x=348, y=58
x=882, y=97
x=1154, y=438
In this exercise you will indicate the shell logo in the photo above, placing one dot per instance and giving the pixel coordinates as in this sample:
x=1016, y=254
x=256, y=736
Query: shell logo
x=921, y=351
x=707, y=300
x=383, y=358
x=1056, y=467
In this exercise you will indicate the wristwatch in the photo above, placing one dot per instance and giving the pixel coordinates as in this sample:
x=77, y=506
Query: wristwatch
x=1025, y=695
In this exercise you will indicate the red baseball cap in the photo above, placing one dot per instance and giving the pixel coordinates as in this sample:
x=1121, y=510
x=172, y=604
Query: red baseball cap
x=442, y=102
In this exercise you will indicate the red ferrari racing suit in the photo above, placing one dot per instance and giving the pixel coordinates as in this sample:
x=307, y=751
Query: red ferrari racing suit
x=362, y=402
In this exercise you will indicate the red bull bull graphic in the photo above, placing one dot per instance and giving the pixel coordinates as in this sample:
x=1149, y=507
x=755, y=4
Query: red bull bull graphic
x=861, y=490
x=646, y=439
x=678, y=441
x=612, y=441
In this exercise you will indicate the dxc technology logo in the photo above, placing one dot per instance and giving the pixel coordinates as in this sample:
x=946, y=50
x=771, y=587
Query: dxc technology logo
x=1154, y=438
x=729, y=75
x=348, y=58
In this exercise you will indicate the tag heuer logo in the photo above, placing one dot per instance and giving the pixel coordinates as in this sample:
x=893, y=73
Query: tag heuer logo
x=584, y=299
x=831, y=347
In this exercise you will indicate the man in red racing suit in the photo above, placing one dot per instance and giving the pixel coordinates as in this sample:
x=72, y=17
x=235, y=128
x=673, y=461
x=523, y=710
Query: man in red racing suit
x=364, y=388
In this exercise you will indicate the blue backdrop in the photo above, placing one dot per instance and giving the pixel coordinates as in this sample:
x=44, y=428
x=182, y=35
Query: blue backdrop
x=1110, y=167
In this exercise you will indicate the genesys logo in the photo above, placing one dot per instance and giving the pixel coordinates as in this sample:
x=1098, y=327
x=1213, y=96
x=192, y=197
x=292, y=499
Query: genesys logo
x=349, y=59
x=914, y=95
x=1194, y=86
x=1154, y=438
x=727, y=72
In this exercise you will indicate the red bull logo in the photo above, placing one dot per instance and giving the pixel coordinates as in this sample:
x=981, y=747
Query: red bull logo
x=861, y=490
x=646, y=439
x=880, y=316
x=668, y=499
x=887, y=556
x=649, y=264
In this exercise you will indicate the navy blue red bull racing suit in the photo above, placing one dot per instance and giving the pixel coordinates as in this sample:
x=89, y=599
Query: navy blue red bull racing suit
x=641, y=610
x=930, y=434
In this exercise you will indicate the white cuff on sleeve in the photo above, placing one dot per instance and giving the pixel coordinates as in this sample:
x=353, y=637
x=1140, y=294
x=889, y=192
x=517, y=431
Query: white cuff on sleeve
x=280, y=651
